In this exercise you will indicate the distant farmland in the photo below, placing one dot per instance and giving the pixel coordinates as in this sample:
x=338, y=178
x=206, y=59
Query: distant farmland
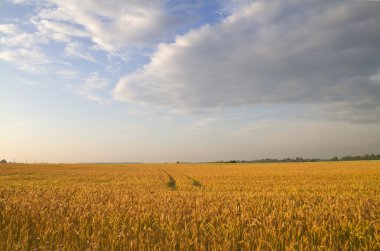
x=324, y=205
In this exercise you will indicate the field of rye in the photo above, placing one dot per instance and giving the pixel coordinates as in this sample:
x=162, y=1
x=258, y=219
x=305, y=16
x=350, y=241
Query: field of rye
x=302, y=206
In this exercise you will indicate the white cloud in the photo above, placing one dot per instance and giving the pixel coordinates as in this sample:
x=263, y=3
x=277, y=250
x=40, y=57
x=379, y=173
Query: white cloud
x=9, y=28
x=94, y=88
x=76, y=50
x=59, y=31
x=32, y=61
x=14, y=36
x=25, y=40
x=312, y=53
x=112, y=25
x=123, y=29
x=20, y=1
x=22, y=48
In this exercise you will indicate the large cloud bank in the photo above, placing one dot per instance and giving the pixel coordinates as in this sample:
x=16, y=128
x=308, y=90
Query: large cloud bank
x=324, y=54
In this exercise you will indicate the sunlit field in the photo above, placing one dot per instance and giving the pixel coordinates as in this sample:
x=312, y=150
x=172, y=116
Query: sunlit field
x=312, y=206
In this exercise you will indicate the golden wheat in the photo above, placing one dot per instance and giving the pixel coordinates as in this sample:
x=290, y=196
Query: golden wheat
x=303, y=206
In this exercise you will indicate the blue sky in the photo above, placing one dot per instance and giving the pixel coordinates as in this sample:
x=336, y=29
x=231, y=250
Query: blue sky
x=159, y=81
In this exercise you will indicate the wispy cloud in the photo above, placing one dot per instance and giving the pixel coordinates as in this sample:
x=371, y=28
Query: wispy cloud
x=9, y=28
x=58, y=31
x=54, y=33
x=93, y=87
x=32, y=61
x=14, y=36
x=131, y=23
x=22, y=49
x=76, y=50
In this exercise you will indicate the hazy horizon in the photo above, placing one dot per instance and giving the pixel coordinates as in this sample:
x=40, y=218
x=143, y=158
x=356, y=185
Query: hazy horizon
x=167, y=81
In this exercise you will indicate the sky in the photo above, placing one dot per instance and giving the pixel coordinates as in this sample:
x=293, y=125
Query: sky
x=197, y=80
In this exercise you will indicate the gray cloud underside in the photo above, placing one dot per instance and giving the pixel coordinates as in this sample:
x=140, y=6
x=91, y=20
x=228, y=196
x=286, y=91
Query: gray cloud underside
x=320, y=53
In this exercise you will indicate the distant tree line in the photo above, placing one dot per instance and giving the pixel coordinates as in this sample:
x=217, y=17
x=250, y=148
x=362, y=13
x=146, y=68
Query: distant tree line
x=363, y=157
x=299, y=159
x=3, y=161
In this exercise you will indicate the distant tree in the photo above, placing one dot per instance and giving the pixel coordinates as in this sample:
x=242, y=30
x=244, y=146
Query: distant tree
x=3, y=161
x=335, y=159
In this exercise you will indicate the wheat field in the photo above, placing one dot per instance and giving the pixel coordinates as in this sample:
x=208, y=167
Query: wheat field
x=283, y=206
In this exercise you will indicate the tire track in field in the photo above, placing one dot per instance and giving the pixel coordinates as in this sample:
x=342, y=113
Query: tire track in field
x=172, y=183
x=195, y=182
